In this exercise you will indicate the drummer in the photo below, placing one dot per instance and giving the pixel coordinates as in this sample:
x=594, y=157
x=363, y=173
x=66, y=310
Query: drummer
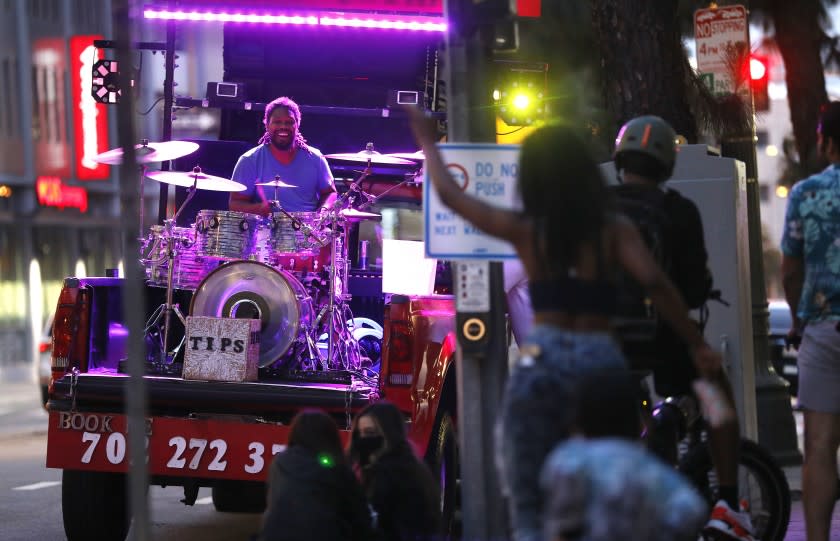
x=283, y=153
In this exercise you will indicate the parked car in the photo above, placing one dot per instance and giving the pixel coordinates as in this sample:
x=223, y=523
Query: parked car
x=784, y=358
x=44, y=359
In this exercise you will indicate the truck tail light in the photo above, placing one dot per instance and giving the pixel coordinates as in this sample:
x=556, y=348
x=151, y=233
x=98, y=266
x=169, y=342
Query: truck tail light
x=400, y=362
x=70, y=330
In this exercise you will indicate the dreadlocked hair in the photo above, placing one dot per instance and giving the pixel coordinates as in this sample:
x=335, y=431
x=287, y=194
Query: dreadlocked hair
x=563, y=191
x=294, y=111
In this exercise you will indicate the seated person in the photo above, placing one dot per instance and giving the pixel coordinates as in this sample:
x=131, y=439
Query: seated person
x=283, y=153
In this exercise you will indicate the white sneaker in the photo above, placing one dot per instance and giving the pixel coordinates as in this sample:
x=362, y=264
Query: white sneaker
x=732, y=524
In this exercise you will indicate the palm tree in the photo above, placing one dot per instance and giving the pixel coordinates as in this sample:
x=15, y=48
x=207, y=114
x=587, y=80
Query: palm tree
x=643, y=62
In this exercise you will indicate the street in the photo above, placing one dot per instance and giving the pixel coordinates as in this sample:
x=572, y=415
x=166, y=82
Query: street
x=30, y=494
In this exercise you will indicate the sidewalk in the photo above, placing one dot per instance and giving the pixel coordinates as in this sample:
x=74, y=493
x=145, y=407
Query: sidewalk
x=796, y=526
x=21, y=411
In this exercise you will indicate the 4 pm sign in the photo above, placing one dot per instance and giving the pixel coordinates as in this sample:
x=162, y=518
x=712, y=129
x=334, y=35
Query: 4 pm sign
x=720, y=33
x=486, y=171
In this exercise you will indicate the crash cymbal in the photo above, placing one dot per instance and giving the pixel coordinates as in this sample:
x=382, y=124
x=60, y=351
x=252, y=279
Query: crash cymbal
x=353, y=215
x=147, y=152
x=373, y=156
x=413, y=156
x=201, y=180
x=277, y=183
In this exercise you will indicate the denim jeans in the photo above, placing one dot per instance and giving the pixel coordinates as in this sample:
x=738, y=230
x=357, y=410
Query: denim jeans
x=536, y=413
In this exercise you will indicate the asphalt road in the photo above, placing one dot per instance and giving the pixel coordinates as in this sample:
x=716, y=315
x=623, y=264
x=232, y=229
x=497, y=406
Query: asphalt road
x=30, y=493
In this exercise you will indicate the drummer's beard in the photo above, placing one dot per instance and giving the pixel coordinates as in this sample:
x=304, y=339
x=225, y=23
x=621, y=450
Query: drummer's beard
x=282, y=145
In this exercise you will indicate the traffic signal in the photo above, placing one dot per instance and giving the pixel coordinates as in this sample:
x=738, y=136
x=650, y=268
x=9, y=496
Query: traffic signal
x=759, y=77
x=520, y=91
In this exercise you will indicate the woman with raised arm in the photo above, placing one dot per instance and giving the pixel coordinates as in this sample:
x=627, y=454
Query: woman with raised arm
x=570, y=241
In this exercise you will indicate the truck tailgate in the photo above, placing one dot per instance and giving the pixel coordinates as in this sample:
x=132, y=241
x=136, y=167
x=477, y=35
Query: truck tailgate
x=207, y=448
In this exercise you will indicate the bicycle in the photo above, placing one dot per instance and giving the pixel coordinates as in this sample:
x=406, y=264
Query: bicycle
x=676, y=432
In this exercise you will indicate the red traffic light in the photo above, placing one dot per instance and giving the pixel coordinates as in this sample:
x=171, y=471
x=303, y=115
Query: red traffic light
x=758, y=68
x=759, y=78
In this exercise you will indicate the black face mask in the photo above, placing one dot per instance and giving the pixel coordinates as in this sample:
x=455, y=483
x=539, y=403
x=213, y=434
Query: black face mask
x=366, y=446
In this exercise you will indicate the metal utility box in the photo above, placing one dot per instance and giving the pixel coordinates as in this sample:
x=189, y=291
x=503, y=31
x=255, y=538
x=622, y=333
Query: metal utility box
x=718, y=187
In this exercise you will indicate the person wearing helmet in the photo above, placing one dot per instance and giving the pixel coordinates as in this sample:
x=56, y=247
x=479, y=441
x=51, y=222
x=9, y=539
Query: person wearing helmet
x=645, y=154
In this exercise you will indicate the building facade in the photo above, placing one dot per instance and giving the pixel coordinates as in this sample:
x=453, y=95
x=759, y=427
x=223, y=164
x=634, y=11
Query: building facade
x=59, y=211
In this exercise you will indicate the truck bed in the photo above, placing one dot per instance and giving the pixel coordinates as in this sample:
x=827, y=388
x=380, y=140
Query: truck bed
x=103, y=390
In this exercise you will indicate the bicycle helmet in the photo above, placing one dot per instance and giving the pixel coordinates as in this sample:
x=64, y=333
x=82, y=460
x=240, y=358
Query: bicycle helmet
x=651, y=136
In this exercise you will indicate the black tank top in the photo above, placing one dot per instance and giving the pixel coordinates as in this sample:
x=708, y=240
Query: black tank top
x=573, y=295
x=570, y=294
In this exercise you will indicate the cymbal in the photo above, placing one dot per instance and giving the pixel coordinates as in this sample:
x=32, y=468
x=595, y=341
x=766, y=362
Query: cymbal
x=202, y=181
x=277, y=183
x=353, y=215
x=413, y=156
x=375, y=158
x=147, y=152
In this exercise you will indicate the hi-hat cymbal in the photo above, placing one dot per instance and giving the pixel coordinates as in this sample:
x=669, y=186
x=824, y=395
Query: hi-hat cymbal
x=353, y=215
x=277, y=183
x=413, y=156
x=373, y=156
x=201, y=180
x=147, y=152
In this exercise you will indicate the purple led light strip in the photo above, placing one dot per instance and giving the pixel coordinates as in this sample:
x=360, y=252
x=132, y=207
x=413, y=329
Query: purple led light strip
x=385, y=22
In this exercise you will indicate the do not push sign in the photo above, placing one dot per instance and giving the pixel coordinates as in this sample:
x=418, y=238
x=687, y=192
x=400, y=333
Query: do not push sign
x=487, y=171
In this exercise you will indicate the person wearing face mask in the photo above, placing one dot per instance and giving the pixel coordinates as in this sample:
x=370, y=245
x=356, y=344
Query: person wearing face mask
x=400, y=488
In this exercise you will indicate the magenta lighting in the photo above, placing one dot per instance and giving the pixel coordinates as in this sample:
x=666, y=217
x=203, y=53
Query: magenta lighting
x=337, y=19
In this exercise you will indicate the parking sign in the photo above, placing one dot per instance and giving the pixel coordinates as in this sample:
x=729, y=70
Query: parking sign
x=718, y=33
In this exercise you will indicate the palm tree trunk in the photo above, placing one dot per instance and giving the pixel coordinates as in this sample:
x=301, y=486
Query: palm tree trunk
x=643, y=62
x=798, y=35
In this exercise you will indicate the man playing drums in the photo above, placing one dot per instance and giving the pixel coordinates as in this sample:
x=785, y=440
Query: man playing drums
x=283, y=153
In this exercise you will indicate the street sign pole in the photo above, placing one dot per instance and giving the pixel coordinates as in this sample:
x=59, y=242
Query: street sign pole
x=481, y=362
x=719, y=32
x=124, y=13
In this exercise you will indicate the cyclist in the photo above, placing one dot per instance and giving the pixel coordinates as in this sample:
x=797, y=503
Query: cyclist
x=644, y=156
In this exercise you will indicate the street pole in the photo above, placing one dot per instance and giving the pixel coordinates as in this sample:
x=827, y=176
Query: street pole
x=776, y=426
x=481, y=357
x=124, y=12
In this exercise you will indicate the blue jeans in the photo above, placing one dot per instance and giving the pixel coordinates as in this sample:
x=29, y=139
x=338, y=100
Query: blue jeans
x=536, y=413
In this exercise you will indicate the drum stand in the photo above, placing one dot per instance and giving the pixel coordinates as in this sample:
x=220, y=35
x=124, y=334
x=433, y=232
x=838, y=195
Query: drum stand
x=350, y=354
x=166, y=309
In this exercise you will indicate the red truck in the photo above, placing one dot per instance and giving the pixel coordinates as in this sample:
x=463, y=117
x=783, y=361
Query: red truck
x=223, y=434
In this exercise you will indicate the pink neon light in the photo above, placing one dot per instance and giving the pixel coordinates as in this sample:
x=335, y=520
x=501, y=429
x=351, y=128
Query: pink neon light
x=385, y=22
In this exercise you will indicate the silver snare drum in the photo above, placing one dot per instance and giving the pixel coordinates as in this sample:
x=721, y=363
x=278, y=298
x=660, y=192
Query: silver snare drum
x=296, y=234
x=224, y=234
x=188, y=269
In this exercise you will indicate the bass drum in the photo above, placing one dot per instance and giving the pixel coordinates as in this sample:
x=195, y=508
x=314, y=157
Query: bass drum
x=252, y=290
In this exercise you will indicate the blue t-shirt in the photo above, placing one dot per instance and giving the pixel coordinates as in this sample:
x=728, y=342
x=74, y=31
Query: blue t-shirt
x=607, y=489
x=812, y=233
x=308, y=171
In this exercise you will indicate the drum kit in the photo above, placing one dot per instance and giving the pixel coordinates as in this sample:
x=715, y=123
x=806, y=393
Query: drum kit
x=289, y=269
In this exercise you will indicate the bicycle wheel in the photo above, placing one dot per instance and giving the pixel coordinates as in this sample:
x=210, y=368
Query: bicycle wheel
x=762, y=486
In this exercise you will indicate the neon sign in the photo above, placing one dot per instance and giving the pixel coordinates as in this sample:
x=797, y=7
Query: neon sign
x=52, y=192
x=525, y=8
x=90, y=119
x=49, y=69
